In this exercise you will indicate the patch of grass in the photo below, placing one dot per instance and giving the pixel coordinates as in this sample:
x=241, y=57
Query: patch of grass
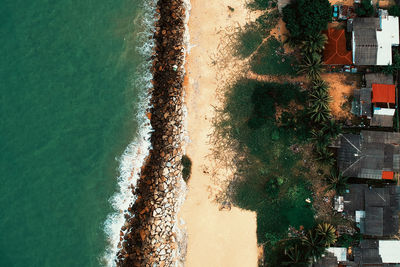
x=252, y=34
x=187, y=167
x=270, y=178
x=261, y=4
x=271, y=59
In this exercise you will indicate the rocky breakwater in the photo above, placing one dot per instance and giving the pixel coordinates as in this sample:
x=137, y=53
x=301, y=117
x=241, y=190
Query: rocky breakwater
x=150, y=235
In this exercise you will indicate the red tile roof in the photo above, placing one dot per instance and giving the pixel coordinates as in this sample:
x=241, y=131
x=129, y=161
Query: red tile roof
x=335, y=52
x=383, y=93
x=387, y=175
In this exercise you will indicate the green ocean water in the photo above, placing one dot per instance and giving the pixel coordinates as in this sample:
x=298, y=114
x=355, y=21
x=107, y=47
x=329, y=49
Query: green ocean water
x=67, y=109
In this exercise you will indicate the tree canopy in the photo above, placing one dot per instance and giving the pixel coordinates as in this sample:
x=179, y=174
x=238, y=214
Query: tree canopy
x=365, y=9
x=307, y=17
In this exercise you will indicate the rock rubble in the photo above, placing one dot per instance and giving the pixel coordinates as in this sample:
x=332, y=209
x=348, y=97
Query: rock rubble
x=149, y=235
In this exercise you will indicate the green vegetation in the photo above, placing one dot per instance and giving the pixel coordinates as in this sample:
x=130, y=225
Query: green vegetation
x=347, y=240
x=303, y=248
x=187, y=167
x=268, y=125
x=337, y=182
x=365, y=9
x=252, y=34
x=270, y=178
x=312, y=66
x=261, y=4
x=271, y=59
x=395, y=67
x=305, y=18
x=394, y=11
x=314, y=43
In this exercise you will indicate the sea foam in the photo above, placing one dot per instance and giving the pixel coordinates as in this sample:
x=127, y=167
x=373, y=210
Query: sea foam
x=132, y=160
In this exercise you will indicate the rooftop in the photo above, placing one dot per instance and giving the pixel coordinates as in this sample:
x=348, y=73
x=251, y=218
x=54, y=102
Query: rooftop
x=380, y=78
x=375, y=210
x=335, y=52
x=377, y=253
x=368, y=154
x=383, y=93
x=373, y=39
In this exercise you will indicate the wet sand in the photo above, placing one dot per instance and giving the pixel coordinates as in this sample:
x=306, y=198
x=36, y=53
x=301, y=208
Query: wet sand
x=215, y=237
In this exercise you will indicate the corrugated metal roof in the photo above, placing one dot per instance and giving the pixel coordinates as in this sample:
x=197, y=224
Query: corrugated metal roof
x=383, y=93
x=365, y=40
x=368, y=154
x=380, y=78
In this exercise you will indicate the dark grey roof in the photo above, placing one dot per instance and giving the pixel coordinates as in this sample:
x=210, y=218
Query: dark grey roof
x=329, y=260
x=378, y=78
x=366, y=23
x=354, y=199
x=373, y=221
x=368, y=154
x=366, y=44
x=367, y=252
x=381, y=206
x=361, y=105
x=382, y=121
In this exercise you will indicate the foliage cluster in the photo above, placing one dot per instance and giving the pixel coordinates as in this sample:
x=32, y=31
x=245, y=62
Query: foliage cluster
x=394, y=11
x=187, y=167
x=395, y=66
x=305, y=248
x=304, y=18
x=365, y=9
x=347, y=240
x=270, y=180
x=270, y=58
x=266, y=96
x=261, y=4
x=252, y=34
x=337, y=182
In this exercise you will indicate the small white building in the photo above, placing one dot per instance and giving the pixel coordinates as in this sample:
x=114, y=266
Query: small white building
x=373, y=39
x=387, y=37
x=389, y=250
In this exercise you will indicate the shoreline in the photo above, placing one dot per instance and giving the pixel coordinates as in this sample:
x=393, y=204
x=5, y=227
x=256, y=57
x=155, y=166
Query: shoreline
x=150, y=234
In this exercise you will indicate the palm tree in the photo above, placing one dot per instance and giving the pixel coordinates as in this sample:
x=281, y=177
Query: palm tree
x=319, y=84
x=332, y=128
x=296, y=256
x=320, y=99
x=314, y=244
x=324, y=155
x=319, y=138
x=327, y=233
x=291, y=41
x=312, y=66
x=314, y=43
x=319, y=115
x=337, y=182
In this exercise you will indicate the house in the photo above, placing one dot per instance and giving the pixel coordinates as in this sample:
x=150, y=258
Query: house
x=369, y=155
x=373, y=38
x=372, y=252
x=374, y=210
x=384, y=102
x=377, y=100
x=335, y=52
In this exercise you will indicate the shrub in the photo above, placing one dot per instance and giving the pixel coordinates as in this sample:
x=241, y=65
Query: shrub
x=394, y=11
x=187, y=167
x=307, y=17
x=261, y=4
x=365, y=9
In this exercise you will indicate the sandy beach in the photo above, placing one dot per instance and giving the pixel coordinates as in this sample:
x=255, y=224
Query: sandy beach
x=215, y=237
